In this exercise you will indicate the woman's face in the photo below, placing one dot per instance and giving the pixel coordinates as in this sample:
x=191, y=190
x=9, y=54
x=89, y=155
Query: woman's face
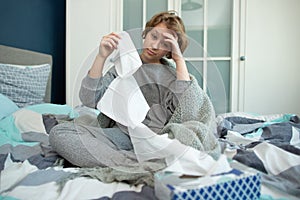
x=155, y=46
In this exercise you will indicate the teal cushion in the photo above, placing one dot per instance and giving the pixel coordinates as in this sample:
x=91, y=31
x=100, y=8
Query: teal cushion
x=7, y=106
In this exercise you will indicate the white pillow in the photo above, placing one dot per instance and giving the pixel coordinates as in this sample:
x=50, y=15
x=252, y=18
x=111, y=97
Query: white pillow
x=24, y=85
x=29, y=121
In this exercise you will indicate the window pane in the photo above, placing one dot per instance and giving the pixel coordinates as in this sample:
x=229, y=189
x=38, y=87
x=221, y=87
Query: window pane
x=155, y=6
x=218, y=84
x=195, y=47
x=219, y=28
x=132, y=14
x=192, y=16
x=196, y=69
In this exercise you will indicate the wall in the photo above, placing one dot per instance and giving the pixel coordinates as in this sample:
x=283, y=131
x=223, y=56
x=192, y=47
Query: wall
x=37, y=25
x=87, y=22
x=272, y=49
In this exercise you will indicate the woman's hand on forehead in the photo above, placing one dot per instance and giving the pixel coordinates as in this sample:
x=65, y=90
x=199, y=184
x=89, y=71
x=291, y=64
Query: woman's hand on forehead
x=171, y=39
x=162, y=32
x=167, y=35
x=175, y=49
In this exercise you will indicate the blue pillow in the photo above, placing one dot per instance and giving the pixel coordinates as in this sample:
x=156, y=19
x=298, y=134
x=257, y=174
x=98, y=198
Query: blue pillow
x=7, y=106
x=24, y=84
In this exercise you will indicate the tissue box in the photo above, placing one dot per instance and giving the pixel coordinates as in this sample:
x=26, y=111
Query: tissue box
x=235, y=184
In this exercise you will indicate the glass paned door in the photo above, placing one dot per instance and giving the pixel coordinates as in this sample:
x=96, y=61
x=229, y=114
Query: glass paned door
x=209, y=28
x=155, y=6
x=192, y=13
x=132, y=14
x=135, y=15
x=208, y=25
x=219, y=26
x=137, y=12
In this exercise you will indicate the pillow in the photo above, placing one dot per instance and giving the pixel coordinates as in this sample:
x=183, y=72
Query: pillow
x=35, y=124
x=7, y=107
x=24, y=85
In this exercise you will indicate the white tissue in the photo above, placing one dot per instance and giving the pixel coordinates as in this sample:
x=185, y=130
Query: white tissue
x=127, y=59
x=179, y=157
x=123, y=101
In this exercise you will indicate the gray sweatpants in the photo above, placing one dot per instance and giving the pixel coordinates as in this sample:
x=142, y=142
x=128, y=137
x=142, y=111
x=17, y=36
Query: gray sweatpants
x=87, y=145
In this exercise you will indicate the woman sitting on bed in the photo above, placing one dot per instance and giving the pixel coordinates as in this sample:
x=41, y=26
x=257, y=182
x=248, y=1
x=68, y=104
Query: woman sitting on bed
x=108, y=143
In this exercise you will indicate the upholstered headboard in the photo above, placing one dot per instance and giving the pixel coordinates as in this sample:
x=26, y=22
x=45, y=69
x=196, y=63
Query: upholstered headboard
x=12, y=55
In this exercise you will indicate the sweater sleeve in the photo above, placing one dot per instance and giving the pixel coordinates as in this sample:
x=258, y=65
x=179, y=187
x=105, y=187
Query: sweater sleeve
x=177, y=89
x=193, y=122
x=92, y=89
x=181, y=86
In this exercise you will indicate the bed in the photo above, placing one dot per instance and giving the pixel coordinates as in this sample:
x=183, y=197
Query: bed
x=30, y=169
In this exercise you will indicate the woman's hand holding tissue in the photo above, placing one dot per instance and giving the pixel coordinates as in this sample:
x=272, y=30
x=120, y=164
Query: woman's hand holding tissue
x=107, y=45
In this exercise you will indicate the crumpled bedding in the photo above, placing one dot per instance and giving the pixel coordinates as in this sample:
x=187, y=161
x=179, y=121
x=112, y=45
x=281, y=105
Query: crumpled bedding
x=270, y=144
x=30, y=169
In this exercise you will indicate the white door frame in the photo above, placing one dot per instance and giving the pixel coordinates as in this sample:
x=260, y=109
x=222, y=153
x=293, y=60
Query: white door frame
x=238, y=51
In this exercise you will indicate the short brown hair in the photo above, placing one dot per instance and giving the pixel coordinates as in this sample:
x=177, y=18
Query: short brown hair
x=173, y=22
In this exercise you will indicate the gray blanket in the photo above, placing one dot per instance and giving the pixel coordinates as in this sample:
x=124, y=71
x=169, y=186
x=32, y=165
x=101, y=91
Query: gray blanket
x=277, y=146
